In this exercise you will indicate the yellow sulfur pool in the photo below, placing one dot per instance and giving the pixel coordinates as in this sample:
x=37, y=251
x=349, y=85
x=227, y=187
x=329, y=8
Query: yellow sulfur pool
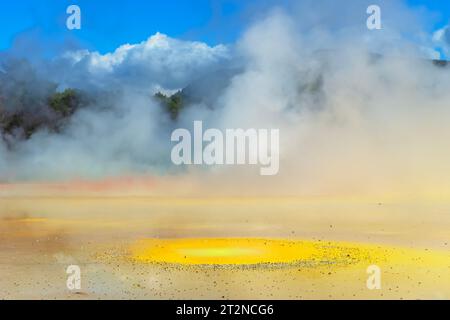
x=242, y=251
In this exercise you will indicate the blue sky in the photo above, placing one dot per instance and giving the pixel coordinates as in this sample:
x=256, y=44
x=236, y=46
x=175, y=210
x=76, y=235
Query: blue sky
x=110, y=23
x=107, y=24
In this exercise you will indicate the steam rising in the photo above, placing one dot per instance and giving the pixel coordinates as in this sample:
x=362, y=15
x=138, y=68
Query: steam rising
x=359, y=111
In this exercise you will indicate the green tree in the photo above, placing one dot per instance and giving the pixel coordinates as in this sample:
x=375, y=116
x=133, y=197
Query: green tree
x=173, y=104
x=65, y=103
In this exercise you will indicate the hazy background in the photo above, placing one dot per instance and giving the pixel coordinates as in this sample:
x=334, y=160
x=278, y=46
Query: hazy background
x=359, y=111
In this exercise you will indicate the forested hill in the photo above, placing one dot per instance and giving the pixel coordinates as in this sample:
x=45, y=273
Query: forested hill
x=29, y=104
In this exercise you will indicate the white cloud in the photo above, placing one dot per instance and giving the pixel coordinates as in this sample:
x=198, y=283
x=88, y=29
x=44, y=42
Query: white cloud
x=431, y=53
x=441, y=38
x=160, y=61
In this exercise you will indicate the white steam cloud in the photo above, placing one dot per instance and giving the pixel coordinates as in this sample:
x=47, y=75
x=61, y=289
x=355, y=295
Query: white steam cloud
x=358, y=110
